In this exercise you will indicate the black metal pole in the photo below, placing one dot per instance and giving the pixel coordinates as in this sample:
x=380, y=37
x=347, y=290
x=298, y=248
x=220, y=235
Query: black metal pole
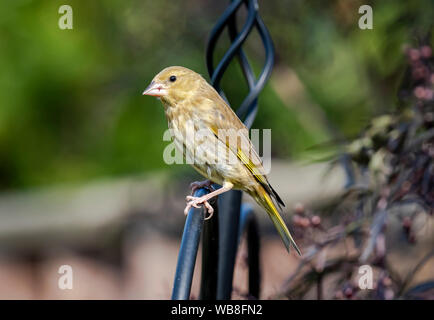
x=249, y=225
x=229, y=218
x=188, y=251
x=210, y=248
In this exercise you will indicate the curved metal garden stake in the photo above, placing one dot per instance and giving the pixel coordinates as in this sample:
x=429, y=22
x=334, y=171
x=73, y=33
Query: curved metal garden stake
x=230, y=202
x=221, y=235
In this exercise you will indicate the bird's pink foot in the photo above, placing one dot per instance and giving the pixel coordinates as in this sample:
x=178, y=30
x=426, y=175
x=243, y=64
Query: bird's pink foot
x=201, y=184
x=196, y=202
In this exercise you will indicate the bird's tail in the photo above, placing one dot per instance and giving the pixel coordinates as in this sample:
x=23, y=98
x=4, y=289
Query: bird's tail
x=264, y=200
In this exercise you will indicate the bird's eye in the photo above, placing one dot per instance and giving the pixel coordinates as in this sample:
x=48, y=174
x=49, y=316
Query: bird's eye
x=172, y=78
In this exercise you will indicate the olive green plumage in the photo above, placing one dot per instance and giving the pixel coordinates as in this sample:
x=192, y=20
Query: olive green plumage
x=191, y=103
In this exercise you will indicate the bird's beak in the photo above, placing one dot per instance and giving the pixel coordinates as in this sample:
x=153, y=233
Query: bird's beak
x=155, y=89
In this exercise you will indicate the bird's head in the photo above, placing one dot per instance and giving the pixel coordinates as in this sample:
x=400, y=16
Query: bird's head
x=174, y=84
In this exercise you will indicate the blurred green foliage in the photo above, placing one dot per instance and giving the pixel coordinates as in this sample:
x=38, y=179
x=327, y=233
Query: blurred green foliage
x=71, y=105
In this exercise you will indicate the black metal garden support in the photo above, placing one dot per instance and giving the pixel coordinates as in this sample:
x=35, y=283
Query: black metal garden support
x=221, y=235
x=188, y=252
x=249, y=227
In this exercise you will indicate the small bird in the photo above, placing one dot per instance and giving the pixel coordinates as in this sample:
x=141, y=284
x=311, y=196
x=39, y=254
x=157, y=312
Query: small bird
x=190, y=103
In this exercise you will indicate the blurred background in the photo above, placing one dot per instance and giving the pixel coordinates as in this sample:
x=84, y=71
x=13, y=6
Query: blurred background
x=82, y=178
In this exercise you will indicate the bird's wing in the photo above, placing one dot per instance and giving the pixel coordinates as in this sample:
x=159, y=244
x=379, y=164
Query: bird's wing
x=224, y=118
